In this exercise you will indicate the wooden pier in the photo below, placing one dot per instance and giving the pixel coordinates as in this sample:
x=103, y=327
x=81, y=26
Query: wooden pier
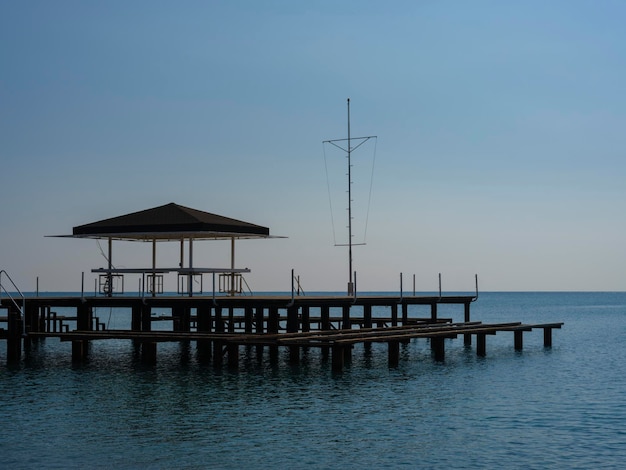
x=220, y=325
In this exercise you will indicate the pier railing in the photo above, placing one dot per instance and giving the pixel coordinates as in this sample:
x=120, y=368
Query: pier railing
x=22, y=308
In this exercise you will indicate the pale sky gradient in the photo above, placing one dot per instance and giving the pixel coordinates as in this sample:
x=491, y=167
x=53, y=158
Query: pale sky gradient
x=501, y=136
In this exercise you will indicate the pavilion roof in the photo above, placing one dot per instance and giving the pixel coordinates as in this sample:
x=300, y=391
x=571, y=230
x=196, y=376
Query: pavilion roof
x=169, y=222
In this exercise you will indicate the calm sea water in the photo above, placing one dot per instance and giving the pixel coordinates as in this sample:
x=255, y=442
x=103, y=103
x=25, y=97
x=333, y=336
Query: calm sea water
x=563, y=407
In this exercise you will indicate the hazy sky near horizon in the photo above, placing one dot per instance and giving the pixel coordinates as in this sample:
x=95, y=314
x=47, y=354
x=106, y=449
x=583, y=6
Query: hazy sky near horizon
x=501, y=137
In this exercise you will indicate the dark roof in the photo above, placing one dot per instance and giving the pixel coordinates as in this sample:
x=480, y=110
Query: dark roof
x=169, y=222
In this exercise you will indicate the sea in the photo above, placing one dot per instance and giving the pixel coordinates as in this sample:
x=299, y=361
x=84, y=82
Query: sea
x=562, y=407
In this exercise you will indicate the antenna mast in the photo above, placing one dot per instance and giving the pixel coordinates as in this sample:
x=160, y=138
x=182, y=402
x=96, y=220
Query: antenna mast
x=349, y=150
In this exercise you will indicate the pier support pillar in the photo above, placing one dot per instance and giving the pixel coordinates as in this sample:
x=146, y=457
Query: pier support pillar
x=394, y=353
x=259, y=319
x=437, y=346
x=338, y=357
x=292, y=319
x=547, y=337
x=394, y=315
x=294, y=355
x=306, y=318
x=433, y=311
x=346, y=323
x=218, y=353
x=80, y=351
x=519, y=340
x=273, y=323
x=14, y=339
x=367, y=316
x=148, y=352
x=248, y=316
x=325, y=317
x=219, y=320
x=467, y=338
x=135, y=317
x=84, y=317
x=481, y=344
x=233, y=356
x=405, y=313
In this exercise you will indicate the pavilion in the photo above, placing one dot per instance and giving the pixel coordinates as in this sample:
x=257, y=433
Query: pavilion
x=170, y=222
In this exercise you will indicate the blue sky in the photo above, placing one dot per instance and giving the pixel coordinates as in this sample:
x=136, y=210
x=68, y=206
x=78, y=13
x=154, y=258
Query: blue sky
x=500, y=129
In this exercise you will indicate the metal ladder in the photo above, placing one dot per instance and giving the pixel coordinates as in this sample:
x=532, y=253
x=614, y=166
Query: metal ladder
x=21, y=309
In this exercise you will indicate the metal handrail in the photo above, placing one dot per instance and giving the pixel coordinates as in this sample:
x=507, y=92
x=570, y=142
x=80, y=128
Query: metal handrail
x=21, y=309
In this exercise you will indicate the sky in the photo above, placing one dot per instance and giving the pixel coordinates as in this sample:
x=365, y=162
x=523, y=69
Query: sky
x=500, y=138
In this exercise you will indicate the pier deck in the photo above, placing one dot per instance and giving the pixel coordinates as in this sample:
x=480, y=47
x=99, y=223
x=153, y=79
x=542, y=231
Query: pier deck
x=220, y=325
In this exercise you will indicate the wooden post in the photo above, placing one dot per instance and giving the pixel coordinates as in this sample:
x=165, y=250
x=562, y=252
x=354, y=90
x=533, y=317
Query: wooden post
x=292, y=319
x=467, y=338
x=84, y=317
x=338, y=358
x=273, y=321
x=306, y=318
x=547, y=337
x=394, y=353
x=248, y=319
x=294, y=355
x=394, y=314
x=219, y=321
x=231, y=320
x=433, y=311
x=519, y=340
x=135, y=319
x=325, y=317
x=233, y=355
x=203, y=325
x=146, y=318
x=405, y=313
x=438, y=347
x=80, y=350
x=259, y=319
x=218, y=353
x=481, y=344
x=148, y=352
x=14, y=338
x=367, y=316
x=346, y=323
